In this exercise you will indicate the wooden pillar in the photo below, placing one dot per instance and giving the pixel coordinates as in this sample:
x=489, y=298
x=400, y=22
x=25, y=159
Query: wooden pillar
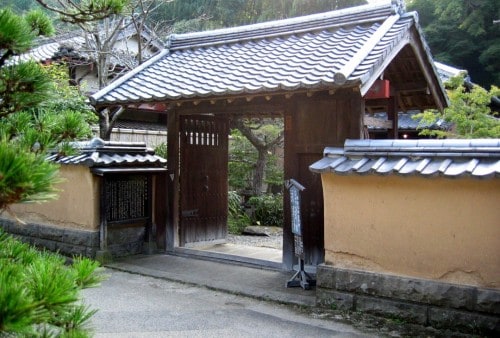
x=172, y=238
x=311, y=124
x=392, y=114
x=161, y=209
x=290, y=172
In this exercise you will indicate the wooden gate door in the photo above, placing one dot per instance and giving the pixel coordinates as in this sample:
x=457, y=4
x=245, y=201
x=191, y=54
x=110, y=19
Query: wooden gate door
x=203, y=178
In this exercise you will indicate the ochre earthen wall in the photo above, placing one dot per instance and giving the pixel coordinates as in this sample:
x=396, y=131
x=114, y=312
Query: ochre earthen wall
x=77, y=206
x=435, y=228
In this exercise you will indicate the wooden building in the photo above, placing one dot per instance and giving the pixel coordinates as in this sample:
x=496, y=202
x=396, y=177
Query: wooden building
x=75, y=50
x=320, y=73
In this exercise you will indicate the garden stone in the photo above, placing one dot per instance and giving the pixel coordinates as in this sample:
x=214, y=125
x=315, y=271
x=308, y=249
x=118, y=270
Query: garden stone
x=259, y=230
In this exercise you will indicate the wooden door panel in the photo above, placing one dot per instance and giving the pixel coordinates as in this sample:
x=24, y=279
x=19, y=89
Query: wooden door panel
x=203, y=179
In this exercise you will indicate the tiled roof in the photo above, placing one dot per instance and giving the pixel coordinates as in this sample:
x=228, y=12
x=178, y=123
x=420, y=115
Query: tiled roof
x=74, y=43
x=446, y=72
x=477, y=158
x=46, y=50
x=321, y=51
x=407, y=121
x=99, y=153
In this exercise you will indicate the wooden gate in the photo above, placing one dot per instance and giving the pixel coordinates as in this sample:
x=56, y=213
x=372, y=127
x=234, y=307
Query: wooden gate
x=203, y=178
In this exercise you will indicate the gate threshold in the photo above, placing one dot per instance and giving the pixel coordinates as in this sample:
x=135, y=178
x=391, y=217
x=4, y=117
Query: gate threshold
x=235, y=254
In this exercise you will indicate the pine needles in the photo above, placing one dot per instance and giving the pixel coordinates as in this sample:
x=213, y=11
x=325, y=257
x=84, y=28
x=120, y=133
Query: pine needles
x=39, y=293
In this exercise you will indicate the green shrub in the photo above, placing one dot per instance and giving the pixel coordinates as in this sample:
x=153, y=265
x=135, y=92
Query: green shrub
x=161, y=150
x=267, y=209
x=39, y=293
x=237, y=219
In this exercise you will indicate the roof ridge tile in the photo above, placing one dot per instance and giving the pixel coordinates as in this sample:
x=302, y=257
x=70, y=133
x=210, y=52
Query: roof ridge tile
x=273, y=29
x=479, y=158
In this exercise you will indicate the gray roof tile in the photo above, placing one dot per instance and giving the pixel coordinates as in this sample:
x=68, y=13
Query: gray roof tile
x=448, y=158
x=407, y=121
x=74, y=43
x=99, y=153
x=303, y=52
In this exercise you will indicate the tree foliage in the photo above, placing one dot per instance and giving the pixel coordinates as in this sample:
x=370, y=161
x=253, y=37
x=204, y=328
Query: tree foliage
x=38, y=110
x=102, y=22
x=197, y=15
x=21, y=84
x=39, y=293
x=463, y=33
x=23, y=175
x=85, y=11
x=252, y=163
x=469, y=114
x=59, y=119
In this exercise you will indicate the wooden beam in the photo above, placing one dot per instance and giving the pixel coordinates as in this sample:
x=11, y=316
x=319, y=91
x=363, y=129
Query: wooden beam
x=431, y=78
x=392, y=114
x=401, y=102
x=258, y=105
x=411, y=87
x=376, y=102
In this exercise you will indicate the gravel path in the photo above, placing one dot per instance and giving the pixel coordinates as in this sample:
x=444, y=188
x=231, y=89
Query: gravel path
x=272, y=241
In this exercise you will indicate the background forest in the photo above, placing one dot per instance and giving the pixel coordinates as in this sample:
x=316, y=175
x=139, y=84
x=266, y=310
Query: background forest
x=462, y=33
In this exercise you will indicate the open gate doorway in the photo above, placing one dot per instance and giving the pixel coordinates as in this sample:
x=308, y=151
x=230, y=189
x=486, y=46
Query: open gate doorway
x=198, y=166
x=203, y=155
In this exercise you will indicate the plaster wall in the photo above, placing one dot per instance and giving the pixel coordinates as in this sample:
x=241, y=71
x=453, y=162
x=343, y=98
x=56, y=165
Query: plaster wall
x=129, y=45
x=433, y=228
x=87, y=77
x=77, y=206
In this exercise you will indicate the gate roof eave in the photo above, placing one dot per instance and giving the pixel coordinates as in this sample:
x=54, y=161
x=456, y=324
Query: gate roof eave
x=327, y=51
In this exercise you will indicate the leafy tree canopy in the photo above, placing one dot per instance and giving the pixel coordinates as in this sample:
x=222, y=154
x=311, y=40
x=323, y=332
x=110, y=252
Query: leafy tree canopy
x=469, y=113
x=81, y=12
x=196, y=15
x=463, y=34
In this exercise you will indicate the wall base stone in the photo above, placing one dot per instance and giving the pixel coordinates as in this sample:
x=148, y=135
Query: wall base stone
x=66, y=241
x=426, y=302
x=70, y=242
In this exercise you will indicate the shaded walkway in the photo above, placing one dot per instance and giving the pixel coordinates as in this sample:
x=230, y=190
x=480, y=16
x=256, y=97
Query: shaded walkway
x=260, y=283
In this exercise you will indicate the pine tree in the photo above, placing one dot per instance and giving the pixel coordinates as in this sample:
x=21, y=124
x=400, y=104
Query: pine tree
x=24, y=175
x=38, y=291
x=22, y=84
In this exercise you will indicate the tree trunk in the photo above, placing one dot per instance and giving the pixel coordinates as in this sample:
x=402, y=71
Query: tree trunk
x=259, y=172
x=263, y=147
x=107, y=119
